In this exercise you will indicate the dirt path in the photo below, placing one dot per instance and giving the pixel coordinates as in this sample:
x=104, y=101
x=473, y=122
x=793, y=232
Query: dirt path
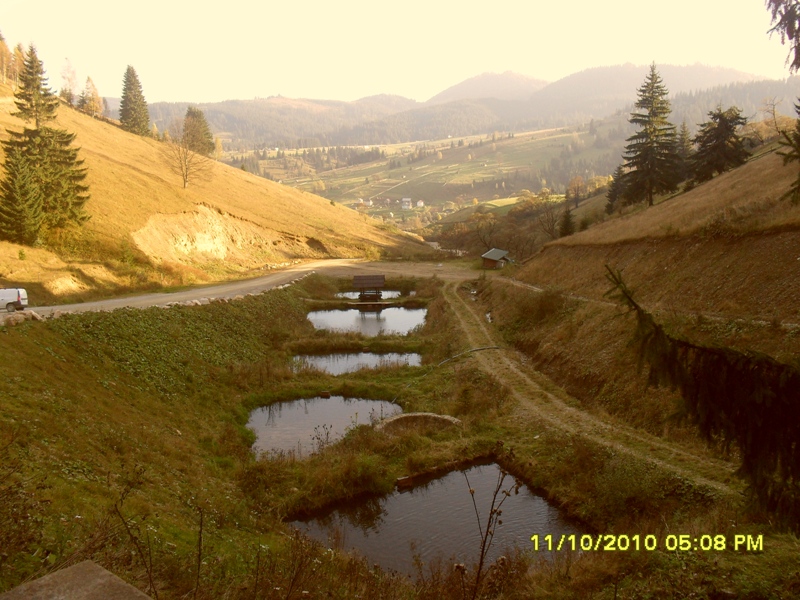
x=539, y=401
x=536, y=405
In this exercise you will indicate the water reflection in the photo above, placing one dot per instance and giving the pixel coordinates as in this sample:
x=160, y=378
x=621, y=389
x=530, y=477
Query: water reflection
x=437, y=520
x=337, y=364
x=389, y=320
x=302, y=426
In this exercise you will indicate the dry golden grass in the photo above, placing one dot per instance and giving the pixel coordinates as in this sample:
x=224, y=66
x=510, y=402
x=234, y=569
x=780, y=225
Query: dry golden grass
x=744, y=200
x=136, y=200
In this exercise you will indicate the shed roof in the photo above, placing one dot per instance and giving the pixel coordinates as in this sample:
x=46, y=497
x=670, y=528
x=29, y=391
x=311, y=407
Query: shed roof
x=495, y=254
x=369, y=281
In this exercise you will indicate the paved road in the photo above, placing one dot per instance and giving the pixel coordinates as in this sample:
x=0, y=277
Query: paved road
x=342, y=267
x=224, y=290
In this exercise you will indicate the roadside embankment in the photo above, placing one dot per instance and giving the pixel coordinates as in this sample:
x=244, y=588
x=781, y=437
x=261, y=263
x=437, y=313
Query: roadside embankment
x=740, y=292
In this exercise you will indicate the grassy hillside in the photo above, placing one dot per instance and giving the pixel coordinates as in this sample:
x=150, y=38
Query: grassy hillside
x=146, y=230
x=718, y=265
x=120, y=433
x=746, y=200
x=123, y=441
x=123, y=430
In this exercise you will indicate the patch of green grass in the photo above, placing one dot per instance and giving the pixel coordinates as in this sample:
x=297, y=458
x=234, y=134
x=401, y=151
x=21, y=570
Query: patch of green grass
x=121, y=432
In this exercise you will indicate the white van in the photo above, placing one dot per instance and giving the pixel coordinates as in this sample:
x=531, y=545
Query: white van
x=13, y=299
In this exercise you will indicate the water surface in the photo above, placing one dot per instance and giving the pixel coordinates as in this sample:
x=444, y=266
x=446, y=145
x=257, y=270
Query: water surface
x=438, y=520
x=301, y=426
x=389, y=320
x=337, y=364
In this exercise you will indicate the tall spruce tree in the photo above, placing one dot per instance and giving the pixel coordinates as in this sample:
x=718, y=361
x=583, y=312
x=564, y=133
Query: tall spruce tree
x=791, y=153
x=684, y=146
x=196, y=132
x=62, y=179
x=719, y=146
x=21, y=201
x=133, y=113
x=650, y=157
x=616, y=190
x=34, y=100
x=786, y=22
x=44, y=185
x=566, y=225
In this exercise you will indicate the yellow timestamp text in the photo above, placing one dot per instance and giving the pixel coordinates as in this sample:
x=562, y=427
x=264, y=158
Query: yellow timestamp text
x=606, y=542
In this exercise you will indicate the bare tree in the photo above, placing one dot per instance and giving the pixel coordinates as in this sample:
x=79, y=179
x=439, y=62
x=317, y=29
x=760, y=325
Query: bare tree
x=69, y=86
x=181, y=159
x=89, y=100
x=770, y=110
x=485, y=227
x=576, y=189
x=548, y=218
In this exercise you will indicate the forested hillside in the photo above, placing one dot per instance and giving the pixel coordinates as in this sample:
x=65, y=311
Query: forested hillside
x=503, y=86
x=469, y=108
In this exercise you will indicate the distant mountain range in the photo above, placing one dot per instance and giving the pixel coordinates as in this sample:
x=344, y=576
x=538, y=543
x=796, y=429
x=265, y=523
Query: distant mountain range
x=501, y=86
x=485, y=103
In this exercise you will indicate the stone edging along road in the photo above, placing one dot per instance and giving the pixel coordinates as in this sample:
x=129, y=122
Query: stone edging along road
x=201, y=295
x=339, y=267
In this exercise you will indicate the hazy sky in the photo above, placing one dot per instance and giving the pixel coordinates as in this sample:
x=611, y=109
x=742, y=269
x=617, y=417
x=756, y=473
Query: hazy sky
x=348, y=49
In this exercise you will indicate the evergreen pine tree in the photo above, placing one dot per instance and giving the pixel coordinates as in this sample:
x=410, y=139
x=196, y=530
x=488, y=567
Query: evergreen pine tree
x=196, y=132
x=62, y=179
x=44, y=177
x=21, y=201
x=719, y=147
x=616, y=189
x=786, y=21
x=650, y=157
x=791, y=143
x=133, y=113
x=685, y=149
x=567, y=224
x=34, y=100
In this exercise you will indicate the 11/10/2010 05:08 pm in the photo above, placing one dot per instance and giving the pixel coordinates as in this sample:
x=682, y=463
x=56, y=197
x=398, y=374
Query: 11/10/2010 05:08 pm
x=635, y=543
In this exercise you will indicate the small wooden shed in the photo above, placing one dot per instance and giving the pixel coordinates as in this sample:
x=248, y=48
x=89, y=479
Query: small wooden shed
x=369, y=286
x=495, y=259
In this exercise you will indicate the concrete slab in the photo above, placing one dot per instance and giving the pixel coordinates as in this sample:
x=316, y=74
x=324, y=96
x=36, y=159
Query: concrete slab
x=84, y=581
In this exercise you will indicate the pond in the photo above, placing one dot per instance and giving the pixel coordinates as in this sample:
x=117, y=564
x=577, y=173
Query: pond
x=302, y=426
x=385, y=295
x=389, y=320
x=337, y=364
x=437, y=520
